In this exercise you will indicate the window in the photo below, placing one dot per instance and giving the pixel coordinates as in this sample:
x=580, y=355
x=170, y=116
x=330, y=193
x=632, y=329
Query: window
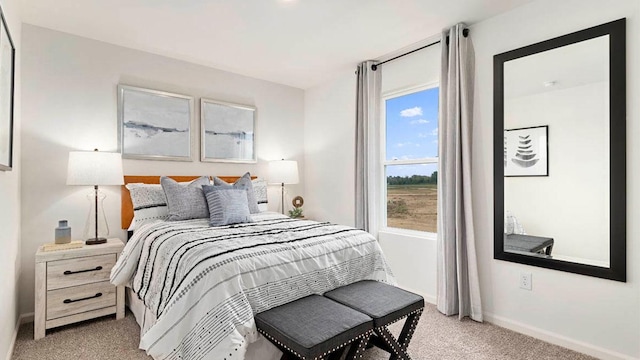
x=410, y=159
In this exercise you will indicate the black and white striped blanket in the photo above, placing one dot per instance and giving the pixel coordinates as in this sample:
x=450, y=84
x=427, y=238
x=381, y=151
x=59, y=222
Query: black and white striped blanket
x=204, y=284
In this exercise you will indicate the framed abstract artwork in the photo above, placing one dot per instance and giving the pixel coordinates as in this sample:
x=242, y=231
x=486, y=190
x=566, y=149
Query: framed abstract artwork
x=7, y=75
x=526, y=151
x=154, y=125
x=227, y=132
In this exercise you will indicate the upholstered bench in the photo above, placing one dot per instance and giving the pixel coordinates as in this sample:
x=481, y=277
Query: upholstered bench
x=315, y=327
x=386, y=304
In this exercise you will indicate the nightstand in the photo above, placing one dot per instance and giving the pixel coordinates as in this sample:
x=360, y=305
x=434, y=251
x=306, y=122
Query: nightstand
x=73, y=285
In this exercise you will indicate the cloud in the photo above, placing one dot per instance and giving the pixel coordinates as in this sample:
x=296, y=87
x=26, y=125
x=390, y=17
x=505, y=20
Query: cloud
x=411, y=112
x=419, y=121
x=433, y=132
x=407, y=143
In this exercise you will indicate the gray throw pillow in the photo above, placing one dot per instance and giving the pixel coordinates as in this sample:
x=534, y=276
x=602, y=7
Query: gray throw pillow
x=185, y=201
x=227, y=205
x=243, y=183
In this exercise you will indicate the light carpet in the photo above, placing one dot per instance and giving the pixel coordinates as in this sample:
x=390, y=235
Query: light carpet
x=437, y=337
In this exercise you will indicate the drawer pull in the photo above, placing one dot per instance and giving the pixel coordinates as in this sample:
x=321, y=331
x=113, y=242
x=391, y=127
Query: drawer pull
x=69, y=301
x=69, y=272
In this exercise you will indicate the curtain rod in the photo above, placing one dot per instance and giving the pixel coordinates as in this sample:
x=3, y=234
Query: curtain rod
x=374, y=67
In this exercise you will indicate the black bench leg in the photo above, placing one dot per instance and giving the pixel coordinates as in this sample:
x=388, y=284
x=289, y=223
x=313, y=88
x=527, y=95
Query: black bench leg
x=397, y=351
x=358, y=348
x=408, y=330
x=286, y=355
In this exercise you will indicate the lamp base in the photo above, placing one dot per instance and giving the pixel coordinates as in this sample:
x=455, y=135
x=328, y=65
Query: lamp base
x=95, y=241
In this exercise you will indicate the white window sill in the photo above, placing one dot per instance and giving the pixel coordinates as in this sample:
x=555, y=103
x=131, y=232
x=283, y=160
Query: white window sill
x=409, y=233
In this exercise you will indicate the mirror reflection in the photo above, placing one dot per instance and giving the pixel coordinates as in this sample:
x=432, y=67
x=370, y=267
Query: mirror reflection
x=556, y=153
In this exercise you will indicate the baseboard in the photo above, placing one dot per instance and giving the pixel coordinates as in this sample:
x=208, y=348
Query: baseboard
x=22, y=319
x=27, y=318
x=556, y=339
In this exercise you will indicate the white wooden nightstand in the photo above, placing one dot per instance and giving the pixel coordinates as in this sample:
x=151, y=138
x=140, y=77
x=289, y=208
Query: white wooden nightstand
x=73, y=285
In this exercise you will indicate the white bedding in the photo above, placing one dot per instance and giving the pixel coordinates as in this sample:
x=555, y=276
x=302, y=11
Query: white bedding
x=261, y=349
x=204, y=284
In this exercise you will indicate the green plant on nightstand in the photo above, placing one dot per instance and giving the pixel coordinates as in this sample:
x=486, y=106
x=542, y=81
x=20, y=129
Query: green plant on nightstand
x=295, y=213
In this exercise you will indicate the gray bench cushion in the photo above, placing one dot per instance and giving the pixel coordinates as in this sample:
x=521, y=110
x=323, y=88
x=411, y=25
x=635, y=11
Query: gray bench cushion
x=313, y=325
x=384, y=303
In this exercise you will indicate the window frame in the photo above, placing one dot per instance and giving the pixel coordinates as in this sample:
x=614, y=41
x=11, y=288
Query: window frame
x=383, y=162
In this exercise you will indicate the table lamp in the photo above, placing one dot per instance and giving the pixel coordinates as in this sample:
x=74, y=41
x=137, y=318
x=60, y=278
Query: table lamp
x=95, y=168
x=283, y=172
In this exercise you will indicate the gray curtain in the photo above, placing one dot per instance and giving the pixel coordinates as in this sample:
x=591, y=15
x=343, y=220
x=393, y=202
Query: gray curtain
x=367, y=134
x=458, y=284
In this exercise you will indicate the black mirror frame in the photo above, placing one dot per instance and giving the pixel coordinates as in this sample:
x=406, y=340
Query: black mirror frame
x=617, y=123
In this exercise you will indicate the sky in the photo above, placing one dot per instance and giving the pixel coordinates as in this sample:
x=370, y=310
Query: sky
x=412, y=131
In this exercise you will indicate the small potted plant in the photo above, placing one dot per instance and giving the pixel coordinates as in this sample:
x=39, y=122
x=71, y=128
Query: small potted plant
x=295, y=213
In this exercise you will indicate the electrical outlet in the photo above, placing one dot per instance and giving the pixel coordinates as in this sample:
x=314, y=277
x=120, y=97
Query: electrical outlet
x=525, y=281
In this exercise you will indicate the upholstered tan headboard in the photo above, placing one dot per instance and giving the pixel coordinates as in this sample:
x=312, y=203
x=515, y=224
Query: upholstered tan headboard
x=126, y=213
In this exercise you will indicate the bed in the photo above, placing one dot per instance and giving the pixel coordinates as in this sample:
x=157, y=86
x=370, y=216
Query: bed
x=194, y=289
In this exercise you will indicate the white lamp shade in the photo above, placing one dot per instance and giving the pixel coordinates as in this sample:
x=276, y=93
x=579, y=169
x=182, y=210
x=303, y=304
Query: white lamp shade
x=283, y=172
x=94, y=168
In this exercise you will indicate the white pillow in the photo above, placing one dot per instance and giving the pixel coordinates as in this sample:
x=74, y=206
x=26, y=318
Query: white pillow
x=149, y=203
x=132, y=226
x=260, y=190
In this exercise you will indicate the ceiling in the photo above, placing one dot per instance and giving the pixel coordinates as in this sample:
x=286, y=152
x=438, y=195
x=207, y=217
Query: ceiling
x=299, y=43
x=565, y=67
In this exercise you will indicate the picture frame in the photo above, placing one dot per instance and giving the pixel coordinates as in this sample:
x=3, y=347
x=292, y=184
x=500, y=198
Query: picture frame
x=227, y=132
x=154, y=124
x=526, y=151
x=7, y=82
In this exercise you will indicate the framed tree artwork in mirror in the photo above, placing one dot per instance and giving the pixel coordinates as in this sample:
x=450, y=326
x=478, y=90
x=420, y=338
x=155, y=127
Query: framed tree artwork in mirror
x=526, y=151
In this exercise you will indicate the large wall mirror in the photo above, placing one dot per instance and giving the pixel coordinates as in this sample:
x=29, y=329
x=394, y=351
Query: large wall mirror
x=559, y=153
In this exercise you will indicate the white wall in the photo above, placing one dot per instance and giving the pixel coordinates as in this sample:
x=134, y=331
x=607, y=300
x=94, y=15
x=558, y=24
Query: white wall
x=329, y=144
x=70, y=104
x=330, y=162
x=10, y=203
x=571, y=205
x=419, y=68
x=598, y=316
x=412, y=258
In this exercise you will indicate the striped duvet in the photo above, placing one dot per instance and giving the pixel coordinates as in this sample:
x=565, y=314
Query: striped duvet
x=204, y=284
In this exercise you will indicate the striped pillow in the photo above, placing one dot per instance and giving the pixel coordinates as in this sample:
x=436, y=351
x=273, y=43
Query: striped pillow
x=227, y=205
x=243, y=183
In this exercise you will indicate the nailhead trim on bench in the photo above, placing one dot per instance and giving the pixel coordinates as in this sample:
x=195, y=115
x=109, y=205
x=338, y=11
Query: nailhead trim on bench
x=367, y=334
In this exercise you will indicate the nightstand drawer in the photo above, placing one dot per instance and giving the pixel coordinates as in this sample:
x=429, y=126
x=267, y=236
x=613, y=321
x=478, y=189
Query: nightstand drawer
x=80, y=271
x=79, y=299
